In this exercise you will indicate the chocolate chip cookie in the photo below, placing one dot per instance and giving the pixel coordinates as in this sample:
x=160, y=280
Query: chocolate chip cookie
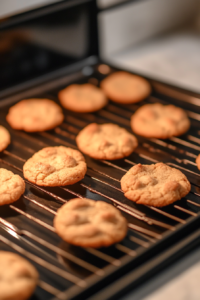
x=106, y=141
x=88, y=223
x=160, y=121
x=156, y=185
x=55, y=166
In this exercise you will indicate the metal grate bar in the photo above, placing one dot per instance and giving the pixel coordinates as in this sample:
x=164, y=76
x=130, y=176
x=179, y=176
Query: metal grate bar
x=98, y=253
x=24, y=147
x=130, y=162
x=57, y=250
x=38, y=221
x=172, y=147
x=144, y=218
x=134, y=212
x=193, y=139
x=185, y=210
x=113, y=165
x=13, y=155
x=106, y=257
x=176, y=94
x=167, y=214
x=138, y=241
x=184, y=143
x=126, y=250
x=72, y=278
x=145, y=231
x=148, y=158
x=52, y=290
x=40, y=205
x=179, y=167
x=78, y=195
x=194, y=203
x=149, y=220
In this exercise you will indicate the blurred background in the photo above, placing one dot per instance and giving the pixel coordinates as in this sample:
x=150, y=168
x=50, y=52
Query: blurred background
x=156, y=38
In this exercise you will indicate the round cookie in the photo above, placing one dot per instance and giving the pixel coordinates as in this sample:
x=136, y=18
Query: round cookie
x=83, y=98
x=33, y=115
x=159, y=121
x=125, y=88
x=18, y=277
x=106, y=141
x=156, y=185
x=55, y=166
x=88, y=223
x=11, y=188
x=4, y=138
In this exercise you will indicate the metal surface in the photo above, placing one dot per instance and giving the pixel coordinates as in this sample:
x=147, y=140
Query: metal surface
x=69, y=272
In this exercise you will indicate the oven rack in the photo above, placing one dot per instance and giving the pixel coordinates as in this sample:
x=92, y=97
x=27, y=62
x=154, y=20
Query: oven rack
x=66, y=271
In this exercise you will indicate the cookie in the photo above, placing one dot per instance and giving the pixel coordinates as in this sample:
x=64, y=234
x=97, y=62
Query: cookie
x=55, y=166
x=4, y=138
x=156, y=185
x=18, y=277
x=83, y=98
x=88, y=223
x=198, y=161
x=123, y=87
x=11, y=188
x=159, y=121
x=33, y=115
x=106, y=141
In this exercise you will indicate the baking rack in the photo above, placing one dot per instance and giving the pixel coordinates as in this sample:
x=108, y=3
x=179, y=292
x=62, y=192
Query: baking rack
x=69, y=272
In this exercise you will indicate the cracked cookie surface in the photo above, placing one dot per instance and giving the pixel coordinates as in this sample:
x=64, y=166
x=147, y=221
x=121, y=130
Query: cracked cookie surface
x=34, y=115
x=55, y=166
x=11, y=188
x=18, y=277
x=159, y=121
x=157, y=184
x=4, y=138
x=106, y=141
x=88, y=223
x=82, y=98
x=123, y=87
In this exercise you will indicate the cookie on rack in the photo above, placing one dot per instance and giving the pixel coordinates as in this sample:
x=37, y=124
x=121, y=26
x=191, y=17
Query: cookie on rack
x=198, y=161
x=156, y=185
x=55, y=166
x=88, y=223
x=106, y=141
x=82, y=98
x=18, y=278
x=160, y=121
x=11, y=188
x=4, y=138
x=125, y=88
x=34, y=115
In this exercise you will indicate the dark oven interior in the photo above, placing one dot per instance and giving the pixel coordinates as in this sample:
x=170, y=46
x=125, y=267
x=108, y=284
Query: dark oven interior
x=69, y=272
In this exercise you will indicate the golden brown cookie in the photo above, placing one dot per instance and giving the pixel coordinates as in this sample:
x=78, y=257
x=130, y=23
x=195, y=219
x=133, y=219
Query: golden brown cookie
x=55, y=166
x=106, y=141
x=156, y=185
x=4, y=138
x=11, y=188
x=159, y=121
x=82, y=98
x=88, y=223
x=123, y=87
x=33, y=115
x=18, y=277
